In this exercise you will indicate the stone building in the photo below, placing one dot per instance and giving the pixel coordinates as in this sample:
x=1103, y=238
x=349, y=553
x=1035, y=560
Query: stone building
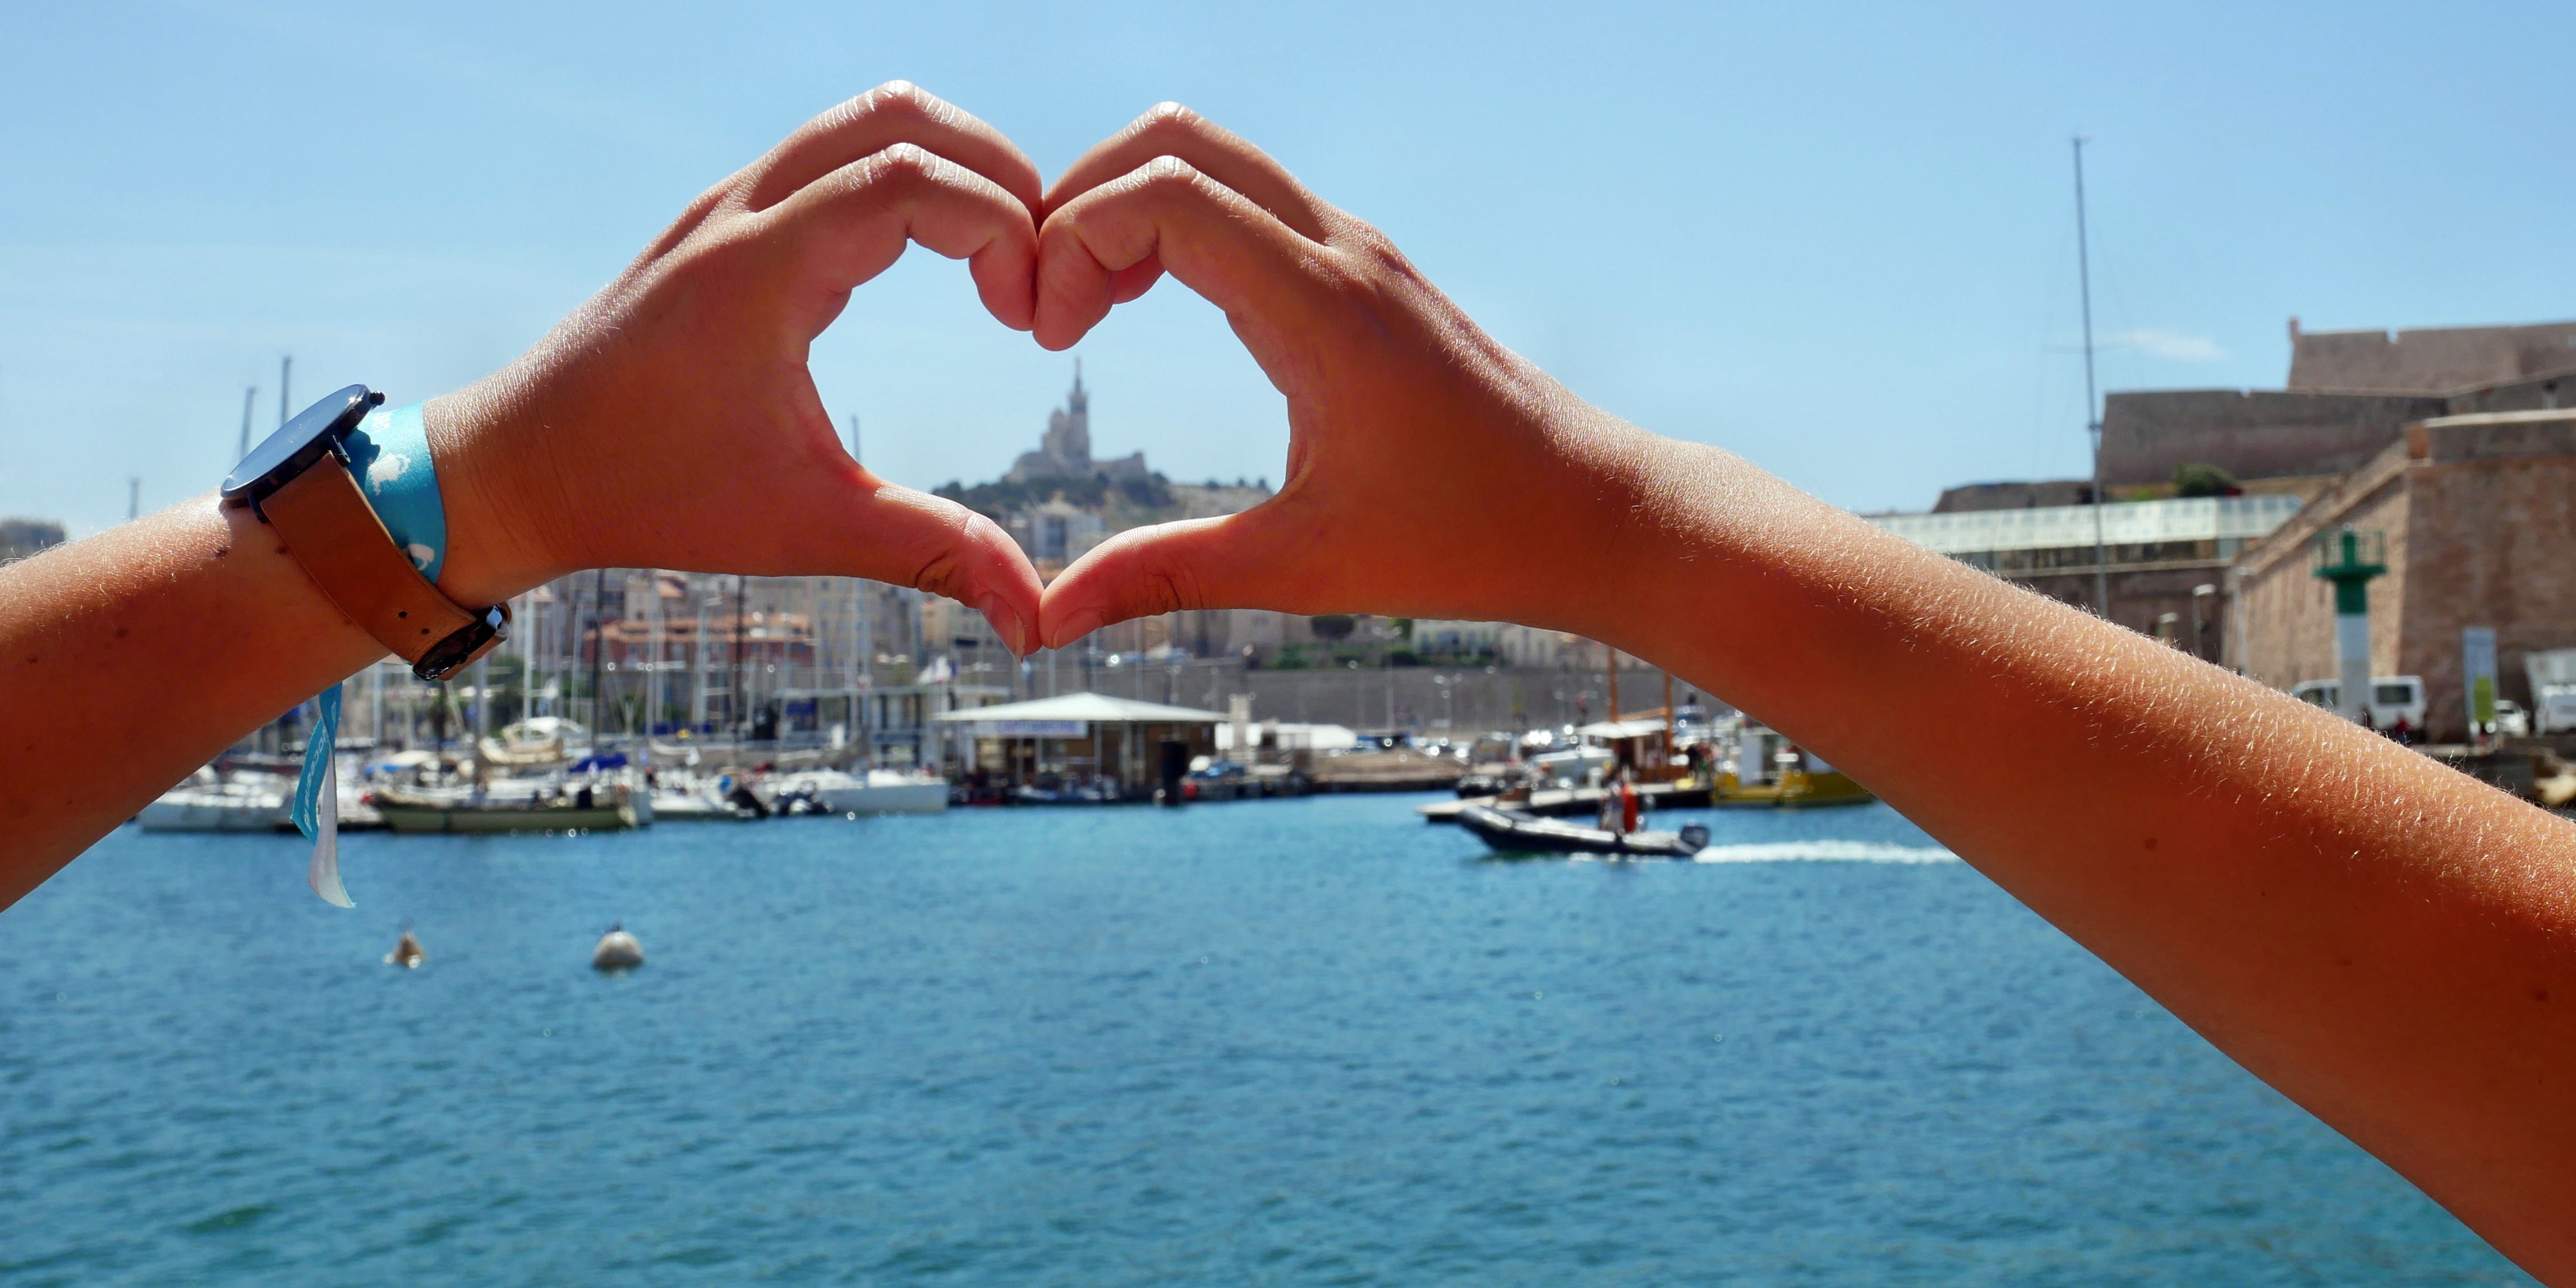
x=2348, y=395
x=2479, y=513
x=2250, y=433
x=2432, y=358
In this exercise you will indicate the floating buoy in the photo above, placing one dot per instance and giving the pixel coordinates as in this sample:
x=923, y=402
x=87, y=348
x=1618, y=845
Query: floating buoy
x=407, y=953
x=617, y=951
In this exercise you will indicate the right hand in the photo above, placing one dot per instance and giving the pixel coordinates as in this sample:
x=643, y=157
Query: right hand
x=1431, y=472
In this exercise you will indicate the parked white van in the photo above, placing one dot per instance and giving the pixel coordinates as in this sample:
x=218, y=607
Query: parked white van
x=2392, y=697
x=2553, y=689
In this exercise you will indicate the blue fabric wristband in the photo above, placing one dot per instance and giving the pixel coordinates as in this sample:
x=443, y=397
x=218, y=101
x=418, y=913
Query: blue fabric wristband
x=389, y=455
x=389, y=452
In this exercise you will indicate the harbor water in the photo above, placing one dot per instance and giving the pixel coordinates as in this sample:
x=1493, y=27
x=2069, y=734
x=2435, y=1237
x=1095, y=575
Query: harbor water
x=1283, y=1042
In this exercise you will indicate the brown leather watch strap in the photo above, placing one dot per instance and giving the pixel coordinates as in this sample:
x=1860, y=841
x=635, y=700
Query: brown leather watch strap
x=335, y=534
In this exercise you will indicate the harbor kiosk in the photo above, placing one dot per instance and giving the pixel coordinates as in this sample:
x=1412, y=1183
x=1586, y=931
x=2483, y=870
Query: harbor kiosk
x=1086, y=747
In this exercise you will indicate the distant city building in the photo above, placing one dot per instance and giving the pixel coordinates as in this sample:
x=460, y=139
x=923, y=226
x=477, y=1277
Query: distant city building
x=1064, y=451
x=20, y=538
x=1056, y=532
x=1505, y=643
x=1456, y=639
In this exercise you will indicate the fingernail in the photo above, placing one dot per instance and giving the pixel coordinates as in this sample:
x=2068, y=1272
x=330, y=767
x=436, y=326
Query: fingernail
x=1075, y=627
x=1006, y=623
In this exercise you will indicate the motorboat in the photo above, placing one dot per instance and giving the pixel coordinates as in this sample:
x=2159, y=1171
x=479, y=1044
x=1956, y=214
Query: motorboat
x=1518, y=832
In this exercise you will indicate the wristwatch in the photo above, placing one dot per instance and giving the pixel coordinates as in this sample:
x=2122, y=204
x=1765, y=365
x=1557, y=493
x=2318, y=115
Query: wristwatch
x=299, y=483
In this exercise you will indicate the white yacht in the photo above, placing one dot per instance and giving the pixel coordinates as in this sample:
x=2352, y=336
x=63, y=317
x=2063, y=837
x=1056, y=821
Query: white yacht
x=874, y=791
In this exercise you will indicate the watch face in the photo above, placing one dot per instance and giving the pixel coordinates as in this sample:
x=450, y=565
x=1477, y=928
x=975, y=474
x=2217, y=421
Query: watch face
x=299, y=442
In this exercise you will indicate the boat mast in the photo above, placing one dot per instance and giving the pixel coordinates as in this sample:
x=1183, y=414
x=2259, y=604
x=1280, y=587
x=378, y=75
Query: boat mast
x=653, y=703
x=598, y=657
x=1612, y=653
x=249, y=395
x=741, y=710
x=2092, y=418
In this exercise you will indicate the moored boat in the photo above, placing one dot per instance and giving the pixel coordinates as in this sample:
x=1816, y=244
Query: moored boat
x=249, y=804
x=672, y=805
x=1770, y=772
x=252, y=802
x=875, y=791
x=600, y=808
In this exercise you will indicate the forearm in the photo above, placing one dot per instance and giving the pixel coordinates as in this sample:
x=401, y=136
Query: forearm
x=137, y=655
x=2385, y=940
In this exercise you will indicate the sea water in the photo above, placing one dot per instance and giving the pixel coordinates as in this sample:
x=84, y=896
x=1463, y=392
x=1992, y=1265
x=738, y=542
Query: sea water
x=1282, y=1042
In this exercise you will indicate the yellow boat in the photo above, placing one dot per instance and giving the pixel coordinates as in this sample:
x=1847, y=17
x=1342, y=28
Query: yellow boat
x=1769, y=773
x=1794, y=789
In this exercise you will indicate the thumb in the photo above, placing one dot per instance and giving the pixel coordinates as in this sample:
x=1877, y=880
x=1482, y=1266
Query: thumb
x=1235, y=561
x=909, y=538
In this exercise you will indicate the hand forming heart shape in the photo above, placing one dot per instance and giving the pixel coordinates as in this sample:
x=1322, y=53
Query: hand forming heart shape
x=671, y=422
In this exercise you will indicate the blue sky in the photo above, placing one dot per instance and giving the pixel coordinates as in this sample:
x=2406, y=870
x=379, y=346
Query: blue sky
x=1838, y=239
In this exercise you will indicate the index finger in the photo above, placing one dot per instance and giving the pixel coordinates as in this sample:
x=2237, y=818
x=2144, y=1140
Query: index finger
x=895, y=112
x=1171, y=130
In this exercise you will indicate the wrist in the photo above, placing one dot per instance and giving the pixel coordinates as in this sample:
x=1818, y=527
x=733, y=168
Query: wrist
x=498, y=540
x=1612, y=545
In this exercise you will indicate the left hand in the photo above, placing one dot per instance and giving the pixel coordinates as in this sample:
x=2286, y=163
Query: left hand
x=671, y=422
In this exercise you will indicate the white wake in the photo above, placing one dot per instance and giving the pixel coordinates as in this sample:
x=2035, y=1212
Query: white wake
x=1825, y=852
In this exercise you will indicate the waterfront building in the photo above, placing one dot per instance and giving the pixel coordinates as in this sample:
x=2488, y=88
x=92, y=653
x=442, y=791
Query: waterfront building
x=1112, y=748
x=2158, y=554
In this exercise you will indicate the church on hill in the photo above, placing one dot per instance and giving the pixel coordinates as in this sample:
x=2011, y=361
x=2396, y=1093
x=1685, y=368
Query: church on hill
x=1064, y=452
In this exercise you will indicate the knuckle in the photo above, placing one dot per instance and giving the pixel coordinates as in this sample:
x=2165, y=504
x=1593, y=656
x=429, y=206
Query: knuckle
x=901, y=165
x=1380, y=252
x=1167, y=119
x=902, y=99
x=1169, y=175
x=1176, y=590
x=947, y=570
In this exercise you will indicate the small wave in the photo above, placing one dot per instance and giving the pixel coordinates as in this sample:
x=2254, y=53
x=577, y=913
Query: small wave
x=1825, y=852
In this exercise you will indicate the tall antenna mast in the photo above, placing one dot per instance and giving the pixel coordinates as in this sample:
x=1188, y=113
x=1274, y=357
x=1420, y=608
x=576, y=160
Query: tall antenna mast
x=854, y=439
x=2092, y=417
x=285, y=371
x=249, y=394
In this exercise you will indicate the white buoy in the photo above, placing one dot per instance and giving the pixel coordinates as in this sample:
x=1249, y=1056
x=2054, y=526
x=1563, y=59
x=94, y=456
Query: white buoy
x=617, y=951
